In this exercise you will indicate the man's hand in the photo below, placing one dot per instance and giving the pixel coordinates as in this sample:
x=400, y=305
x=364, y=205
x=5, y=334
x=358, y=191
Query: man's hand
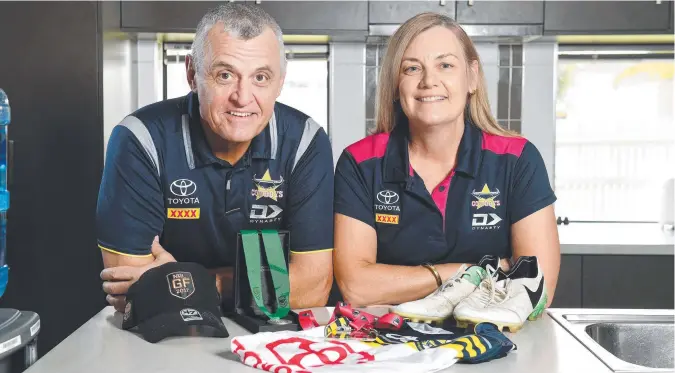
x=117, y=280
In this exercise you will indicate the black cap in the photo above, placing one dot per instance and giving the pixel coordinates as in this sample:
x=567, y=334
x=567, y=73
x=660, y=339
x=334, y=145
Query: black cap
x=174, y=299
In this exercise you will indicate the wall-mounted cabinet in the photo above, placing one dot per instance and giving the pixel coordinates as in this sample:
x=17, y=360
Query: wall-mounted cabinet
x=397, y=12
x=608, y=17
x=310, y=17
x=315, y=17
x=163, y=16
x=500, y=12
x=336, y=17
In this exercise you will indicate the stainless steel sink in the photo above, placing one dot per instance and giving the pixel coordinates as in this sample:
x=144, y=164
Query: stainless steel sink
x=624, y=340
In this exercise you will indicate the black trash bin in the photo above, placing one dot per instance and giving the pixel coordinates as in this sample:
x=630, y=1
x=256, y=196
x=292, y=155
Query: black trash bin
x=18, y=339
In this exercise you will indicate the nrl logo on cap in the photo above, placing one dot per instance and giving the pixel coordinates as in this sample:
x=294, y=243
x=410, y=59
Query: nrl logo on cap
x=181, y=284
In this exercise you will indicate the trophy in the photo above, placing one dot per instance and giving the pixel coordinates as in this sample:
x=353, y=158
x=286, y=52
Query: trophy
x=261, y=283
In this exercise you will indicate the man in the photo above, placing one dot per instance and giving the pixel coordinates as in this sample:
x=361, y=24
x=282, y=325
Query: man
x=182, y=177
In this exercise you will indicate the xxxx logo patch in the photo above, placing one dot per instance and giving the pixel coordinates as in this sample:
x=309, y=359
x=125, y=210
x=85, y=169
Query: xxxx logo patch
x=183, y=213
x=386, y=218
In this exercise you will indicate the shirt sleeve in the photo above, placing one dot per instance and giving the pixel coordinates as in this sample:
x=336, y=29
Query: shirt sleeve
x=310, y=207
x=531, y=188
x=130, y=208
x=352, y=194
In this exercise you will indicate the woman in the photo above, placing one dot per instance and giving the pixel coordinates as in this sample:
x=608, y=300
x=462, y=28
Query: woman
x=440, y=184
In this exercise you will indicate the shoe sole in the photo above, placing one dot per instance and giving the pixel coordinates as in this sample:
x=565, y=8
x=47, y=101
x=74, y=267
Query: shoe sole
x=464, y=322
x=422, y=318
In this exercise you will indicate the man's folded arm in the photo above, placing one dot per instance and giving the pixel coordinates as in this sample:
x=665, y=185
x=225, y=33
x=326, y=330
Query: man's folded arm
x=310, y=219
x=130, y=209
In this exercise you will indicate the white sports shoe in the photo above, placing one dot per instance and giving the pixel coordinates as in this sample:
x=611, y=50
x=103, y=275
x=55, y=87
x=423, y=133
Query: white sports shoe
x=440, y=304
x=506, y=300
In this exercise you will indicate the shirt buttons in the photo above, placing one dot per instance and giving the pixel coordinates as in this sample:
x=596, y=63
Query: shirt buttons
x=441, y=188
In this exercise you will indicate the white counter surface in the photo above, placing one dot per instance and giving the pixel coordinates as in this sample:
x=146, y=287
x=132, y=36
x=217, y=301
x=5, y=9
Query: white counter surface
x=101, y=346
x=615, y=239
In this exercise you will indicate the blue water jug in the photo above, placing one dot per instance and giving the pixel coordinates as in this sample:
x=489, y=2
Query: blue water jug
x=4, y=193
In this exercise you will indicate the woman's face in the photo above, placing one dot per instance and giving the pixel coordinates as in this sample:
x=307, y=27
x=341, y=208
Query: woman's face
x=434, y=78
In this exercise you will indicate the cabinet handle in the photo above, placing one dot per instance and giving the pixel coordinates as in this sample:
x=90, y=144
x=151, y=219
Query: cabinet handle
x=470, y=2
x=658, y=2
x=442, y=2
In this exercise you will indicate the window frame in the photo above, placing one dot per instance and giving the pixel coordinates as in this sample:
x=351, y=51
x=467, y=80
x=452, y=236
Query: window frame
x=606, y=52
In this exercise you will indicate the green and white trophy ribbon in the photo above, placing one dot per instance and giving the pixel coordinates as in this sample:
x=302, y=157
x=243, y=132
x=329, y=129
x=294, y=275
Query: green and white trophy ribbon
x=278, y=269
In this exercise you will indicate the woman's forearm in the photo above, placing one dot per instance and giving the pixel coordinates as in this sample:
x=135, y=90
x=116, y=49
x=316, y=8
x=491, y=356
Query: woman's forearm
x=378, y=284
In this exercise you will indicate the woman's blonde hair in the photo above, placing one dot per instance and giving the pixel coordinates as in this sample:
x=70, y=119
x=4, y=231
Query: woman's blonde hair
x=385, y=109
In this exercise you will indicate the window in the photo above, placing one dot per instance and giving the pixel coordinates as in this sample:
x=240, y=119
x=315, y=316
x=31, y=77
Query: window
x=305, y=87
x=615, y=138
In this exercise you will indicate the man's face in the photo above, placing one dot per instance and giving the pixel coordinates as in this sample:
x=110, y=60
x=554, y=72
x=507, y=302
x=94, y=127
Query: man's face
x=239, y=83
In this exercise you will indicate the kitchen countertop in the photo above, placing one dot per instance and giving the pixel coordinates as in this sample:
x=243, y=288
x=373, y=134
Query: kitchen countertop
x=615, y=239
x=101, y=346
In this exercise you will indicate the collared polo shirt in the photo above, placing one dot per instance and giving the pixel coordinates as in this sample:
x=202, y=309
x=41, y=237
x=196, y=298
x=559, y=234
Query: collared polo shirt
x=496, y=182
x=161, y=178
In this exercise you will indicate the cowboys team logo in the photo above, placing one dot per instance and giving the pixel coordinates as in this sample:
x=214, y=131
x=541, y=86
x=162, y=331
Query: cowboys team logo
x=485, y=197
x=181, y=284
x=266, y=187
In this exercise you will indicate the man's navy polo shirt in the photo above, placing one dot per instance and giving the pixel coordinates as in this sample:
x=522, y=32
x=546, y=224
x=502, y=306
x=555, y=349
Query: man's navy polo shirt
x=497, y=181
x=161, y=178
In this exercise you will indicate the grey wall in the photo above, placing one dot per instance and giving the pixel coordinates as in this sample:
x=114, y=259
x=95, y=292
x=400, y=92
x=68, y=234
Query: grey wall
x=347, y=105
x=538, y=99
x=132, y=76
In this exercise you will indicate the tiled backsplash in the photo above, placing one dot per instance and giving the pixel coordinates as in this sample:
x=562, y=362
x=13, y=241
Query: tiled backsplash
x=509, y=95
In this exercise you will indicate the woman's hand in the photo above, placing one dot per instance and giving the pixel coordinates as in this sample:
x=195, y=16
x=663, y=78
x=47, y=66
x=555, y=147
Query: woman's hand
x=505, y=264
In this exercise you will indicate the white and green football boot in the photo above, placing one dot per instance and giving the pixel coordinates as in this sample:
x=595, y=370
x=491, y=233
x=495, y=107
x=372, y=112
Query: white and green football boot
x=440, y=304
x=506, y=300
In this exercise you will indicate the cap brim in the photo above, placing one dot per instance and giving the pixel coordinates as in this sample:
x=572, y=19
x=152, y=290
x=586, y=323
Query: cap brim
x=172, y=325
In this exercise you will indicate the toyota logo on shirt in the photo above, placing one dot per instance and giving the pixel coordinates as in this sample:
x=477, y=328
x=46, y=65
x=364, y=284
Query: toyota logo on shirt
x=387, y=197
x=183, y=187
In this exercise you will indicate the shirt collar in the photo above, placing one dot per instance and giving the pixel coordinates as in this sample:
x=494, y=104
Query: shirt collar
x=397, y=161
x=199, y=150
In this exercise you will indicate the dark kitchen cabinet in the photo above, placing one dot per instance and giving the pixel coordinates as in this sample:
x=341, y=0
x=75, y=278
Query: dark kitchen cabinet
x=608, y=17
x=627, y=281
x=163, y=16
x=309, y=17
x=318, y=17
x=490, y=12
x=568, y=288
x=52, y=74
x=397, y=12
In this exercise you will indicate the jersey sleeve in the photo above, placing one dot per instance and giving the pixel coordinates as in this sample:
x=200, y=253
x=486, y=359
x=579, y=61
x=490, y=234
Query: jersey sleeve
x=352, y=194
x=531, y=187
x=130, y=209
x=310, y=207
